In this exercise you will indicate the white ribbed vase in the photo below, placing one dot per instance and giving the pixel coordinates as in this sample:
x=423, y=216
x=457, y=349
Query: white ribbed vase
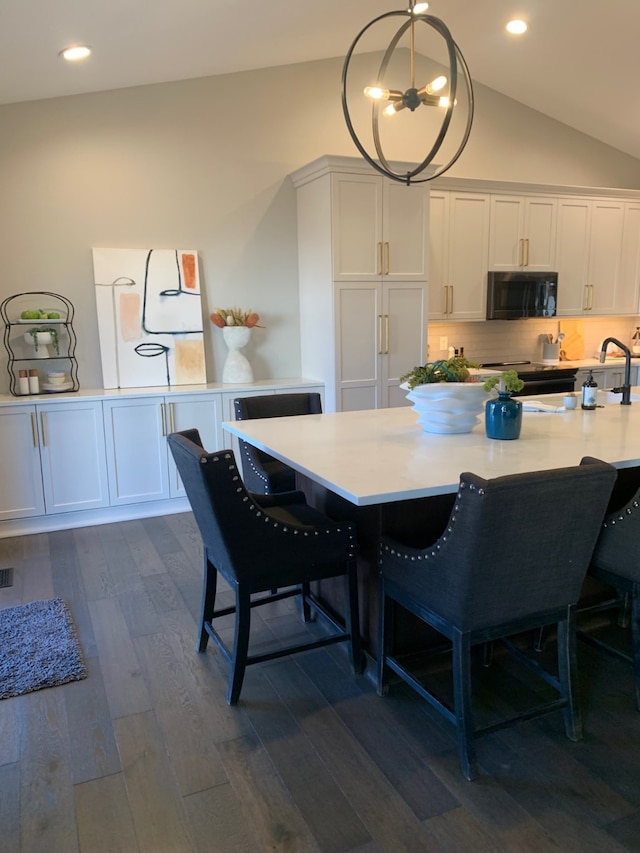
x=447, y=407
x=236, y=367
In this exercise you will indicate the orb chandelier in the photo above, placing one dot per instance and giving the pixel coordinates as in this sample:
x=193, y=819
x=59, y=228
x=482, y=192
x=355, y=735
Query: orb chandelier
x=439, y=94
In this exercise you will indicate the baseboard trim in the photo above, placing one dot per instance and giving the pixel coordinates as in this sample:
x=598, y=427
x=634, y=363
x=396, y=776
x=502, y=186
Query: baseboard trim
x=88, y=518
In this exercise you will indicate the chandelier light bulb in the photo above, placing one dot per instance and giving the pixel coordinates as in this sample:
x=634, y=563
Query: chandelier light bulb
x=436, y=85
x=377, y=93
x=419, y=8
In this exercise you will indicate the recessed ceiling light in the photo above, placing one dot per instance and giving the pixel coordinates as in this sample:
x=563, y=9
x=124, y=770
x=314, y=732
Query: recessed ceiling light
x=516, y=27
x=73, y=54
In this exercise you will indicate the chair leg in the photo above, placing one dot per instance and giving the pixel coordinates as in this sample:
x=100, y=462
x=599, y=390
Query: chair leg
x=209, y=586
x=463, y=705
x=635, y=639
x=567, y=673
x=385, y=632
x=353, y=619
x=240, y=645
x=539, y=638
x=306, y=608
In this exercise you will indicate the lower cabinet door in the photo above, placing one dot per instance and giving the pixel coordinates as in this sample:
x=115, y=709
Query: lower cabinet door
x=21, y=492
x=72, y=453
x=201, y=413
x=137, y=462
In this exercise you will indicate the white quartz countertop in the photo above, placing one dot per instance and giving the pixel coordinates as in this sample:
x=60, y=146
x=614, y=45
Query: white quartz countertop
x=383, y=455
x=164, y=390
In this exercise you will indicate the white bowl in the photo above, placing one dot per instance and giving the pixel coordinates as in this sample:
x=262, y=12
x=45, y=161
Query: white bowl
x=448, y=407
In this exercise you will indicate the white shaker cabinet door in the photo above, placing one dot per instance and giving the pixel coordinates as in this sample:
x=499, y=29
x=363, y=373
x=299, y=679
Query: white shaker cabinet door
x=359, y=337
x=21, y=493
x=379, y=229
x=193, y=412
x=135, y=432
x=404, y=342
x=72, y=451
x=458, y=255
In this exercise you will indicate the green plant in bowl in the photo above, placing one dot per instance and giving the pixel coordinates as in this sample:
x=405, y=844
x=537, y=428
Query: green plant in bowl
x=37, y=330
x=456, y=369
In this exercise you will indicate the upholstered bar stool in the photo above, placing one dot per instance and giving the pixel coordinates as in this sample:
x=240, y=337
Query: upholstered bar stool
x=512, y=557
x=263, y=474
x=261, y=543
x=616, y=562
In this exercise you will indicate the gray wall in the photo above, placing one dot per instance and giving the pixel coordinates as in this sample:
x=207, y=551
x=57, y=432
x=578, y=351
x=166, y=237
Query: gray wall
x=203, y=164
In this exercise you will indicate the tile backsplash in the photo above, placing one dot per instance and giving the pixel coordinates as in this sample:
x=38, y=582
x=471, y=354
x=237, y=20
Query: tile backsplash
x=520, y=339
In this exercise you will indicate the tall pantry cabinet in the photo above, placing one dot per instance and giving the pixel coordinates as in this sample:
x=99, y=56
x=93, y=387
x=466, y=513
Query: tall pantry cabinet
x=362, y=250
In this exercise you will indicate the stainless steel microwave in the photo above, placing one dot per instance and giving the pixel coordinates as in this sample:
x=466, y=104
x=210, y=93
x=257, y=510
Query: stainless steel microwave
x=517, y=295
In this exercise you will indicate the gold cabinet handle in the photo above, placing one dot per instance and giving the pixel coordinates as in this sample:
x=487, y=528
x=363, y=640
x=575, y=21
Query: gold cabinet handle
x=526, y=255
x=34, y=429
x=521, y=252
x=379, y=258
x=164, y=419
x=387, y=256
x=585, y=306
x=43, y=423
x=172, y=417
x=451, y=300
x=386, y=334
x=379, y=334
x=446, y=299
x=590, y=297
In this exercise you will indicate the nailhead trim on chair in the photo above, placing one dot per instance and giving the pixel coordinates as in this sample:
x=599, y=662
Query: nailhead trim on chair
x=628, y=511
x=434, y=553
x=259, y=513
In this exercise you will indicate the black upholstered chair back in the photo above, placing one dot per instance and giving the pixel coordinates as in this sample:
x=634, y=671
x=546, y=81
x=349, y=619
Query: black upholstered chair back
x=518, y=544
x=618, y=547
x=262, y=473
x=241, y=539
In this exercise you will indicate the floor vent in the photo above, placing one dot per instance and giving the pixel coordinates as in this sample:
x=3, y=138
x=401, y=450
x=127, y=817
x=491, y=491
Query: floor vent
x=6, y=578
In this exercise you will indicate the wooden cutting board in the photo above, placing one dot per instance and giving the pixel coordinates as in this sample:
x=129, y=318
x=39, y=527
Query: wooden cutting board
x=572, y=347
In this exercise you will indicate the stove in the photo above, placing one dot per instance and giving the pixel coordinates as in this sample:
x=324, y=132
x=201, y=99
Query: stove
x=539, y=379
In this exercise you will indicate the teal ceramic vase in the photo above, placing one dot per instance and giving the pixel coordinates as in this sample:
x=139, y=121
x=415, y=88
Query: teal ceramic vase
x=503, y=417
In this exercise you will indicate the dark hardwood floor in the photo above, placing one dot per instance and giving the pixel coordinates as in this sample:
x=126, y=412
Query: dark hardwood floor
x=144, y=755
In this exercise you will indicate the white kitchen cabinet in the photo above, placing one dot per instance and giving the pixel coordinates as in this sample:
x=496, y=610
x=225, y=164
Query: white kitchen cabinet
x=362, y=309
x=139, y=463
x=592, y=279
x=607, y=376
x=458, y=255
x=379, y=336
x=522, y=233
x=378, y=228
x=21, y=490
x=628, y=299
x=187, y=412
x=73, y=458
x=53, y=459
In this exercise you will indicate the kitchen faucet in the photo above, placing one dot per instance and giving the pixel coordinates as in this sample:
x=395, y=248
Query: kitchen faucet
x=625, y=389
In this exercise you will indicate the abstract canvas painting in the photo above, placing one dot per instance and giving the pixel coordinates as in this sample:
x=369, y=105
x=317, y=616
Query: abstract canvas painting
x=149, y=317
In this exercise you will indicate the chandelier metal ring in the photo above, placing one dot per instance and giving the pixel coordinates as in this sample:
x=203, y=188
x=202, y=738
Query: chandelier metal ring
x=456, y=63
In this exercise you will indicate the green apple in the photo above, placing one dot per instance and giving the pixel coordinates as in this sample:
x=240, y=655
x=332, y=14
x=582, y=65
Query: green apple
x=30, y=315
x=53, y=315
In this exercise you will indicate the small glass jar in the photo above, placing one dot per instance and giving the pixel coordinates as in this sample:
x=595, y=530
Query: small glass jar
x=23, y=382
x=34, y=382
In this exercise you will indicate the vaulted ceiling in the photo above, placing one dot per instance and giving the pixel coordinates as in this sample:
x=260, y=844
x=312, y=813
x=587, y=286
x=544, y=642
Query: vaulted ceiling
x=578, y=63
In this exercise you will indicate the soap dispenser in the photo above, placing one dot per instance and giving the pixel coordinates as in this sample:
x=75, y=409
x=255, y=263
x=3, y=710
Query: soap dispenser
x=635, y=341
x=589, y=391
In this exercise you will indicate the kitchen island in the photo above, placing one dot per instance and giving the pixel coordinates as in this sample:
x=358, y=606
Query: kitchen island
x=383, y=455
x=379, y=469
